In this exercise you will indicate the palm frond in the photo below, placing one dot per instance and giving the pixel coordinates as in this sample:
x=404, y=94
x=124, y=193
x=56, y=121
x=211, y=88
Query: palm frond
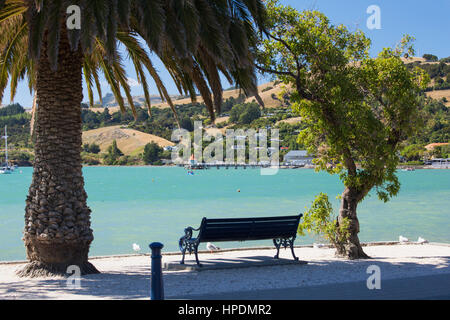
x=197, y=40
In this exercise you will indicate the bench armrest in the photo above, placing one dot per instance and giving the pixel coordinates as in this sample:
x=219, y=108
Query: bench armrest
x=188, y=233
x=184, y=242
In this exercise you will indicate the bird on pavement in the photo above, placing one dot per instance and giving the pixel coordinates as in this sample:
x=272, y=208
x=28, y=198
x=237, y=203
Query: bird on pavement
x=422, y=240
x=211, y=247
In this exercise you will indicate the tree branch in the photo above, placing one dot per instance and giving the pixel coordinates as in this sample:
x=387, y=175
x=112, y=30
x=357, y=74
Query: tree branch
x=280, y=73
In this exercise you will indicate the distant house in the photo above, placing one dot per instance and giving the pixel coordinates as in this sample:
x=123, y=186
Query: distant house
x=298, y=157
x=440, y=163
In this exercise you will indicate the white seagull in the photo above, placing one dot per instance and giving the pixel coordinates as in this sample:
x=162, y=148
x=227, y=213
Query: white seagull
x=422, y=240
x=211, y=247
x=136, y=247
x=403, y=239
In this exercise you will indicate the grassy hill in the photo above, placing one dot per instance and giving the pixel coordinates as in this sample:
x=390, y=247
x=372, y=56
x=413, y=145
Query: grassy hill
x=439, y=95
x=129, y=141
x=267, y=91
x=439, y=72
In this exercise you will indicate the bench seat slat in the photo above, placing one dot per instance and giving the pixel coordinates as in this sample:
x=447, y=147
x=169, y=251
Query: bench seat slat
x=254, y=227
x=285, y=218
x=228, y=239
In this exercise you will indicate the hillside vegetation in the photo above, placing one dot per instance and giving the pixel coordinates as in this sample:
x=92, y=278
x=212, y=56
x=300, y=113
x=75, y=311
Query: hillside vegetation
x=103, y=126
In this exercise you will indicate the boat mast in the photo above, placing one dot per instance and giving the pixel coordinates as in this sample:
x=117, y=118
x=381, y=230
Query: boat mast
x=6, y=146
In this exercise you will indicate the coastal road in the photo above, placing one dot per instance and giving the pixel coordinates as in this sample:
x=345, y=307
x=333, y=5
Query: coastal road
x=431, y=287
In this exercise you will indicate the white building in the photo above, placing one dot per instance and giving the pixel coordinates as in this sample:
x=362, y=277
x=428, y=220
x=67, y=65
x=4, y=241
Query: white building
x=298, y=157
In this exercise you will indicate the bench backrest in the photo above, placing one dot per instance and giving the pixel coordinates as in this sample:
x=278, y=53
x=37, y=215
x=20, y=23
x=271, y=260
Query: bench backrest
x=242, y=229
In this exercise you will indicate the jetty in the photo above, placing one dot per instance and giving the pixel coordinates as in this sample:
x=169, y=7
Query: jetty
x=207, y=166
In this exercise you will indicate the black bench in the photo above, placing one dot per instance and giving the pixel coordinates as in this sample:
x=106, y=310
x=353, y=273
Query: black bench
x=282, y=230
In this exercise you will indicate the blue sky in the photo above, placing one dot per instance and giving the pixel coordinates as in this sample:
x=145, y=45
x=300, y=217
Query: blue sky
x=427, y=21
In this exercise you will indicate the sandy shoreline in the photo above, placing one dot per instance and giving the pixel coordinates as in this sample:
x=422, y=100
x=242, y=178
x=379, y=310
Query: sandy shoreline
x=128, y=277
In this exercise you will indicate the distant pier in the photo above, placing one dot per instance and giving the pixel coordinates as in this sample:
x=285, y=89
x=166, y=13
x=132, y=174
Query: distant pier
x=207, y=166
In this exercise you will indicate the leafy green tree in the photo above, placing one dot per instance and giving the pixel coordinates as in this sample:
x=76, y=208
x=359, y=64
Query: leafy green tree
x=430, y=57
x=413, y=152
x=187, y=124
x=94, y=148
x=195, y=40
x=113, y=154
x=441, y=151
x=152, y=153
x=245, y=113
x=445, y=151
x=105, y=116
x=356, y=109
x=250, y=113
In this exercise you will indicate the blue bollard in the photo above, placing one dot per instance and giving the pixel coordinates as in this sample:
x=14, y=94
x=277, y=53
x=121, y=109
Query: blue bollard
x=157, y=286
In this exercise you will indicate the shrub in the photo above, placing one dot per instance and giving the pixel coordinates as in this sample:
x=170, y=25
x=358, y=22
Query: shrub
x=320, y=221
x=89, y=159
x=112, y=155
x=152, y=153
x=91, y=148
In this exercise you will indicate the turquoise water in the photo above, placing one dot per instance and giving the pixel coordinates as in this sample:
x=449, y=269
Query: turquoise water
x=145, y=204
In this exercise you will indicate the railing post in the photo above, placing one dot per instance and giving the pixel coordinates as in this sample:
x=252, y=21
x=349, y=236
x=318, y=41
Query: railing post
x=157, y=286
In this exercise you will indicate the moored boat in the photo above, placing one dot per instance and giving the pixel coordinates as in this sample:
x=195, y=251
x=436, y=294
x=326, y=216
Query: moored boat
x=6, y=168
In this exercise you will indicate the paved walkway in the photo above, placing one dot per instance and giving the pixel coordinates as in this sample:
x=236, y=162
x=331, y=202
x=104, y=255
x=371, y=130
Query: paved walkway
x=323, y=277
x=434, y=287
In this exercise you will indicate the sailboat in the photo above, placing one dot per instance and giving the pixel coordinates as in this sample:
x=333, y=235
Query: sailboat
x=6, y=169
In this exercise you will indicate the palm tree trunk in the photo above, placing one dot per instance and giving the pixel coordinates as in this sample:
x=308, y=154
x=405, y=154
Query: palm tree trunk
x=57, y=219
x=351, y=249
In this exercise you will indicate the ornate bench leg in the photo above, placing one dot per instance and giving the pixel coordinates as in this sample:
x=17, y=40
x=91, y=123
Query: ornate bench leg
x=196, y=255
x=284, y=243
x=277, y=243
x=183, y=247
x=291, y=243
x=184, y=253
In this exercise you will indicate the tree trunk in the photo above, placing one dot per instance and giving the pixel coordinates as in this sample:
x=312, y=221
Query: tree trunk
x=351, y=249
x=57, y=219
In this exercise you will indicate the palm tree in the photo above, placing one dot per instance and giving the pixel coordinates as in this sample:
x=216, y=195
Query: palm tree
x=195, y=39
